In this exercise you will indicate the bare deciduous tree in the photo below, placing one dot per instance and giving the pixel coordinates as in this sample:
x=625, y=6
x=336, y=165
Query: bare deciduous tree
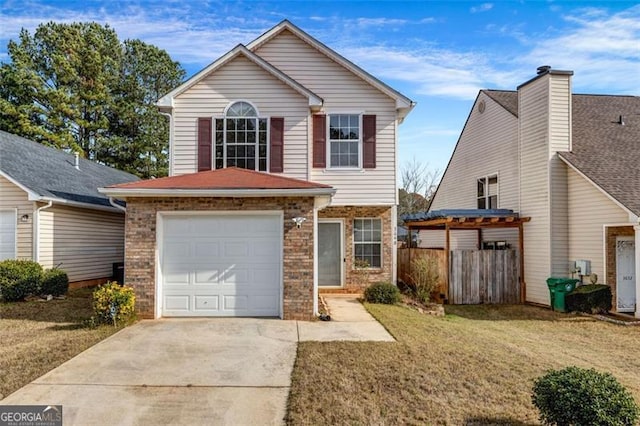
x=419, y=183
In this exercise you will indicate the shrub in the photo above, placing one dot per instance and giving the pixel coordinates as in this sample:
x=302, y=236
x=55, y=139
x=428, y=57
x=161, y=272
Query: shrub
x=424, y=278
x=592, y=298
x=577, y=396
x=114, y=296
x=54, y=282
x=386, y=293
x=19, y=279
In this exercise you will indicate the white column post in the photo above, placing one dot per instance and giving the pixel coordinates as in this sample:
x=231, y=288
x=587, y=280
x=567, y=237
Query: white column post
x=636, y=228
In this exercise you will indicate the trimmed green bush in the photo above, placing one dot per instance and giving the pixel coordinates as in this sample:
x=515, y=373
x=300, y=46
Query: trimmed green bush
x=19, y=279
x=54, y=282
x=121, y=299
x=577, y=396
x=385, y=293
x=592, y=299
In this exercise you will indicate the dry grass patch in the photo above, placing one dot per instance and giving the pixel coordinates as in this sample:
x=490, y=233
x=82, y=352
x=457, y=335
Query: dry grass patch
x=38, y=336
x=474, y=366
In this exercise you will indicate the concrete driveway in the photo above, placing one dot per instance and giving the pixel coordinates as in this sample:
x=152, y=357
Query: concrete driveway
x=175, y=371
x=209, y=371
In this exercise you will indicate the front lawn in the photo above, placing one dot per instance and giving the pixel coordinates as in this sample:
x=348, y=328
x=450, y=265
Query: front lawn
x=36, y=337
x=474, y=366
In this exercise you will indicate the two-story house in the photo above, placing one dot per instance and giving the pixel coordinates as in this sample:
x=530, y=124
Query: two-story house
x=567, y=161
x=282, y=183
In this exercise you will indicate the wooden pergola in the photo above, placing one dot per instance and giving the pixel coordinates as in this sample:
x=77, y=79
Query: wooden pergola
x=448, y=220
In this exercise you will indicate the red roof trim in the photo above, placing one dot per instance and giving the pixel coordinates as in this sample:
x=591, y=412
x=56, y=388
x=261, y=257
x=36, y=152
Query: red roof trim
x=228, y=178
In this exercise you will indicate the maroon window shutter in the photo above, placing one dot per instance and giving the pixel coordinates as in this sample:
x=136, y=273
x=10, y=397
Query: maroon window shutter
x=204, y=144
x=320, y=140
x=369, y=141
x=276, y=145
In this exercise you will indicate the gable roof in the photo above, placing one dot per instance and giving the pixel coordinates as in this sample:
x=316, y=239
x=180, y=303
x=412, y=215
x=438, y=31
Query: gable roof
x=403, y=103
x=508, y=99
x=230, y=181
x=166, y=102
x=48, y=174
x=606, y=152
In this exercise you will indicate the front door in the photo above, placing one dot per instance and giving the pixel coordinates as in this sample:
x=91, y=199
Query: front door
x=626, y=274
x=330, y=254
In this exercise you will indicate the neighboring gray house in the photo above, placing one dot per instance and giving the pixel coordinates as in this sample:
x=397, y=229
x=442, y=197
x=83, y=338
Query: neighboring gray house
x=51, y=211
x=571, y=164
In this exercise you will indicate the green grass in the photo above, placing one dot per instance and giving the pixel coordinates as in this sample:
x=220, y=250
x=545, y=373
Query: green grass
x=38, y=336
x=474, y=366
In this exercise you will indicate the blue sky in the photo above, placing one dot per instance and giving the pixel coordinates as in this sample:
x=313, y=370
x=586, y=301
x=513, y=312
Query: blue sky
x=437, y=53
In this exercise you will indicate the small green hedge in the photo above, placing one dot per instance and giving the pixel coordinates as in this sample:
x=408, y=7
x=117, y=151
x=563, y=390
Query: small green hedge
x=54, y=282
x=592, y=299
x=385, y=293
x=19, y=279
x=577, y=396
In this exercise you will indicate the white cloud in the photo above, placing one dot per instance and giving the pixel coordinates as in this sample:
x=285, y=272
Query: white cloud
x=484, y=7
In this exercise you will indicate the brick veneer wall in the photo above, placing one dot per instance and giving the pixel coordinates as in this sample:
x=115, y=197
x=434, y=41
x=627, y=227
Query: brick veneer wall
x=354, y=280
x=140, y=246
x=611, y=279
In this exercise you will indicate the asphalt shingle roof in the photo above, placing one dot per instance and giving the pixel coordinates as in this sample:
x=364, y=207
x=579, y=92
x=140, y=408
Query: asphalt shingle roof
x=50, y=173
x=603, y=149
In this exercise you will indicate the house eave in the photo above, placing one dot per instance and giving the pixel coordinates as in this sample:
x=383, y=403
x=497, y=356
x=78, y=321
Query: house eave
x=124, y=193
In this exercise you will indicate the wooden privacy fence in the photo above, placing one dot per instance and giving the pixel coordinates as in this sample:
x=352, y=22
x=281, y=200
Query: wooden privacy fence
x=475, y=276
x=406, y=256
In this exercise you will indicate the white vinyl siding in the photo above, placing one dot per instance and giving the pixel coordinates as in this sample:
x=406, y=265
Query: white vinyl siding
x=241, y=79
x=488, y=145
x=533, y=100
x=589, y=210
x=85, y=242
x=559, y=217
x=342, y=91
x=12, y=197
x=559, y=114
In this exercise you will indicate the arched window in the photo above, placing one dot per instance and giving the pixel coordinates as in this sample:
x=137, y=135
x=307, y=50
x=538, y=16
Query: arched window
x=241, y=138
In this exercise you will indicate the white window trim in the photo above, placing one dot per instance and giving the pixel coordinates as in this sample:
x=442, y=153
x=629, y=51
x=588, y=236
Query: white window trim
x=353, y=244
x=486, y=197
x=224, y=117
x=328, y=141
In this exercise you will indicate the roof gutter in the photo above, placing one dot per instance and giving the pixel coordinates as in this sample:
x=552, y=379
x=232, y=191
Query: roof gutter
x=117, y=206
x=76, y=204
x=224, y=193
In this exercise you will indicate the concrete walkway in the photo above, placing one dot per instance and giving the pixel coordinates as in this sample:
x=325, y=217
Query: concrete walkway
x=350, y=321
x=228, y=371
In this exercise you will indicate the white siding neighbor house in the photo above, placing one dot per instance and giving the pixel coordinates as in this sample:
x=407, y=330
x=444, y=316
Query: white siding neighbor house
x=569, y=162
x=282, y=184
x=51, y=211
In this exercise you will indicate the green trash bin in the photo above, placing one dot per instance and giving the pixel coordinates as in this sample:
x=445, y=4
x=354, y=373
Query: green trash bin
x=558, y=289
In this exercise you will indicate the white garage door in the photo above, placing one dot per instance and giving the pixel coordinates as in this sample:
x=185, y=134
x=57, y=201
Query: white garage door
x=7, y=234
x=221, y=265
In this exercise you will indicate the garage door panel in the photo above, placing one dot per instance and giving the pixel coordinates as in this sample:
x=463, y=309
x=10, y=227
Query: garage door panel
x=177, y=303
x=207, y=303
x=206, y=249
x=221, y=265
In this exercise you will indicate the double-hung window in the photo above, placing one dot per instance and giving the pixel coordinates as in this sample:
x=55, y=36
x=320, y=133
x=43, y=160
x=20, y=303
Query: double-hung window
x=367, y=241
x=241, y=138
x=487, y=192
x=344, y=140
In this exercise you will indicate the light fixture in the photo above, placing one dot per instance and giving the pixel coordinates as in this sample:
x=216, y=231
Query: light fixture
x=24, y=218
x=299, y=221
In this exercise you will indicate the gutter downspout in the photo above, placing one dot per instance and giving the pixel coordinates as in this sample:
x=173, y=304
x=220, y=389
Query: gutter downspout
x=36, y=231
x=116, y=205
x=167, y=114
